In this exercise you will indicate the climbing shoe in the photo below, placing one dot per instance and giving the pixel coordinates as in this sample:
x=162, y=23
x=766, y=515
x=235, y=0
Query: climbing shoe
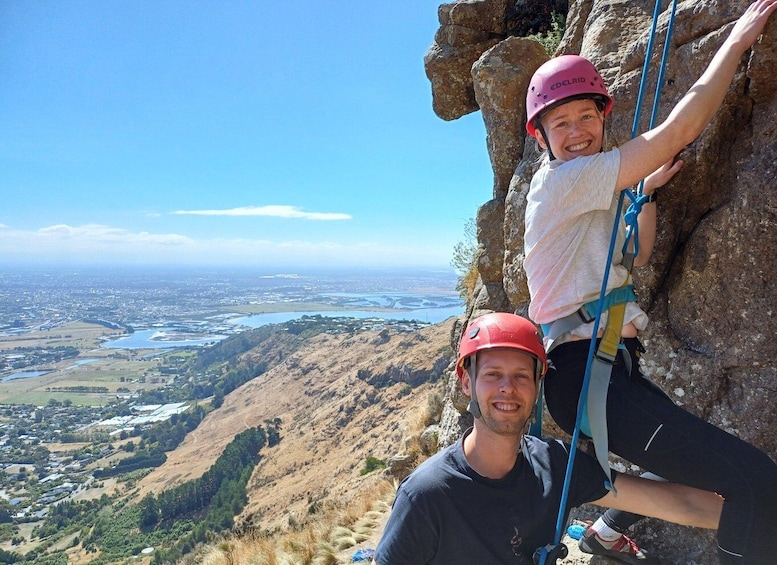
x=623, y=550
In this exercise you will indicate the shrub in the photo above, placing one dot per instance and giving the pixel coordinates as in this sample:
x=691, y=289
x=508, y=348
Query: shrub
x=464, y=261
x=551, y=40
x=371, y=464
x=433, y=409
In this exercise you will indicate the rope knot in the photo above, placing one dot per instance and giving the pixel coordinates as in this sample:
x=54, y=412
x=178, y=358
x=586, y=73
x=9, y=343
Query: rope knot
x=634, y=209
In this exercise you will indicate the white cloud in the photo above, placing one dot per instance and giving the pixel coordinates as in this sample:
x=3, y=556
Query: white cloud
x=100, y=244
x=96, y=235
x=279, y=211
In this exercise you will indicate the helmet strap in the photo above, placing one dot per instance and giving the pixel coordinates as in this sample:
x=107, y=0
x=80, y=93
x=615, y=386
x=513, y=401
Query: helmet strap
x=547, y=142
x=473, y=406
x=604, y=134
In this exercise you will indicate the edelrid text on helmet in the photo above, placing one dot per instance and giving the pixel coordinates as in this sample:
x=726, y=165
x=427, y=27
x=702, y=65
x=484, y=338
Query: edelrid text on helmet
x=560, y=80
x=567, y=82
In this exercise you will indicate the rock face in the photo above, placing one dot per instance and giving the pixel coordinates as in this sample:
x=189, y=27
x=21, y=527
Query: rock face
x=709, y=290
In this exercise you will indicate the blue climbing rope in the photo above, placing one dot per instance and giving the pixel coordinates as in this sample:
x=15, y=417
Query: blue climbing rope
x=639, y=199
x=553, y=552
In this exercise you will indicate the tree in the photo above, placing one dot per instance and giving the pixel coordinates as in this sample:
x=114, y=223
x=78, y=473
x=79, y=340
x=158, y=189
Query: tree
x=40, y=455
x=5, y=516
x=273, y=431
x=149, y=511
x=218, y=397
x=464, y=260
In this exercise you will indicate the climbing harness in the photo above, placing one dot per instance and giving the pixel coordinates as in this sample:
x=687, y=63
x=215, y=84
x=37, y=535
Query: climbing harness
x=592, y=404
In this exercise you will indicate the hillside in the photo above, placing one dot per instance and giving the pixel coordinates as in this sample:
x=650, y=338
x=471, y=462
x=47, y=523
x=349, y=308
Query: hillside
x=341, y=398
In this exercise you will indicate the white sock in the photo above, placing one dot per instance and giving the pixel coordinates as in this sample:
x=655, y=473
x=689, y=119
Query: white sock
x=605, y=532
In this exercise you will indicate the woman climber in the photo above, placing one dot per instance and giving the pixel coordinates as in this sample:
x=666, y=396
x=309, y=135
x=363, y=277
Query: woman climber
x=570, y=211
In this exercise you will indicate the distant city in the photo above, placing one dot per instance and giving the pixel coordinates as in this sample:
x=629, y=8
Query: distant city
x=103, y=370
x=203, y=301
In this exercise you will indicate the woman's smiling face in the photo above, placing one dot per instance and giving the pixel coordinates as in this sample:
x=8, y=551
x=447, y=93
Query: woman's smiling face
x=573, y=129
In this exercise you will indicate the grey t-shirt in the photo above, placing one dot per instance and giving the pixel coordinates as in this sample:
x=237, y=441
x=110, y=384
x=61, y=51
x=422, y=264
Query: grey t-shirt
x=570, y=212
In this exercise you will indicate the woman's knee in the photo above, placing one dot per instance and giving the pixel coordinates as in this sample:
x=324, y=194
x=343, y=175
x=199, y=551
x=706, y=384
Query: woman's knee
x=764, y=471
x=756, y=475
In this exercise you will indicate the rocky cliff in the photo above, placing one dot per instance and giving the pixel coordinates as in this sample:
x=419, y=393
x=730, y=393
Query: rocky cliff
x=710, y=291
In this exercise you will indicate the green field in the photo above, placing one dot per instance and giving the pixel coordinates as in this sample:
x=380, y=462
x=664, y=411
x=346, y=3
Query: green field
x=113, y=369
x=128, y=370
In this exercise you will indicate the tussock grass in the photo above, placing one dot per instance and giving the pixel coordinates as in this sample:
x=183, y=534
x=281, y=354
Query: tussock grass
x=240, y=551
x=304, y=545
x=315, y=543
x=344, y=541
x=380, y=507
x=363, y=529
x=326, y=555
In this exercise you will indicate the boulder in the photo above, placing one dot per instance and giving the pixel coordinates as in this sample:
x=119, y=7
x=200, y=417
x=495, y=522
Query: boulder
x=501, y=76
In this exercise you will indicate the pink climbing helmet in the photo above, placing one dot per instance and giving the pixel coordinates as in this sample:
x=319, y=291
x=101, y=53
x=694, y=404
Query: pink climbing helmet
x=560, y=80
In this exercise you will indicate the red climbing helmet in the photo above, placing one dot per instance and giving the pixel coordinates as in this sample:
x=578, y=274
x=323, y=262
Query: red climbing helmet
x=501, y=330
x=561, y=80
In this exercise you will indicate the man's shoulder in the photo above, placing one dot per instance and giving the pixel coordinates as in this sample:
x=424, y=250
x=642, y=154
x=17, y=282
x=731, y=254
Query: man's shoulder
x=534, y=445
x=547, y=457
x=554, y=449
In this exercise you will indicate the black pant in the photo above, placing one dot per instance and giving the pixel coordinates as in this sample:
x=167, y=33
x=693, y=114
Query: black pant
x=646, y=428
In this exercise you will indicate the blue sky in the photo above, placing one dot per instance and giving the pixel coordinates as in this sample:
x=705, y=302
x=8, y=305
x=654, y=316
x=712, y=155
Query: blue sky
x=223, y=132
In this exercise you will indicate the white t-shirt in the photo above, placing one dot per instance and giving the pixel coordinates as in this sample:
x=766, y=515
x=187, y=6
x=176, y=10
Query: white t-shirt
x=570, y=212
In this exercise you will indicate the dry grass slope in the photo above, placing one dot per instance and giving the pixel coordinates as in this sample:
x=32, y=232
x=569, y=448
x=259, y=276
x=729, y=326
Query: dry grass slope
x=341, y=398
